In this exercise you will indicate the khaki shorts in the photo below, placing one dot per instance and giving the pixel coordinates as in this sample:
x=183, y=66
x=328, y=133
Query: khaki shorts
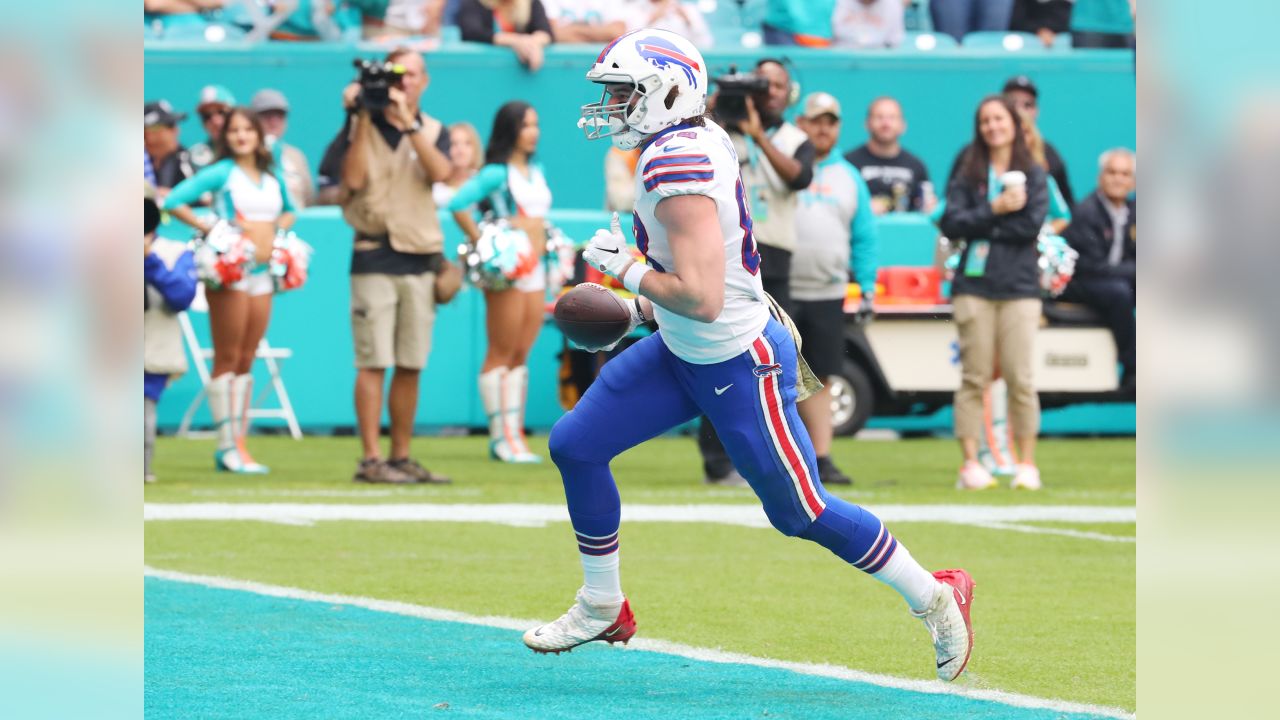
x=391, y=319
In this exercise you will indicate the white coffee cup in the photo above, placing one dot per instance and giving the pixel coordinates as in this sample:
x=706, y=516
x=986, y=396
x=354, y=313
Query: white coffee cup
x=1014, y=178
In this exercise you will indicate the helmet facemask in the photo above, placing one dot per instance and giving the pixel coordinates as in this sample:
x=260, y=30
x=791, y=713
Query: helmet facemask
x=618, y=120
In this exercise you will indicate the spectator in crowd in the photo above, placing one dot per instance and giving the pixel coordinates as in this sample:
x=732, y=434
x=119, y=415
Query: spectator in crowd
x=674, y=15
x=1024, y=95
x=1059, y=216
x=776, y=162
x=897, y=179
x=798, y=22
x=512, y=187
x=387, y=160
x=170, y=162
x=1105, y=233
x=173, y=10
x=248, y=192
x=465, y=160
x=1044, y=18
x=996, y=290
x=272, y=108
x=170, y=285
x=406, y=19
x=958, y=18
x=518, y=24
x=214, y=104
x=835, y=219
x=620, y=179
x=868, y=24
x=586, y=21
x=1103, y=24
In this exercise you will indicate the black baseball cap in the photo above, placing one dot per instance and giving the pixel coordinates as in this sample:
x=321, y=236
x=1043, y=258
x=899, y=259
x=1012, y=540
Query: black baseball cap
x=1023, y=83
x=160, y=112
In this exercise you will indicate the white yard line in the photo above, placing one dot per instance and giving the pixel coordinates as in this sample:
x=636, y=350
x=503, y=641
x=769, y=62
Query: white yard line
x=994, y=517
x=1065, y=532
x=935, y=687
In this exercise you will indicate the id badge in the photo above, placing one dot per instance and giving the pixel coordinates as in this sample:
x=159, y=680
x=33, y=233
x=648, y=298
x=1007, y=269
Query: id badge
x=976, y=266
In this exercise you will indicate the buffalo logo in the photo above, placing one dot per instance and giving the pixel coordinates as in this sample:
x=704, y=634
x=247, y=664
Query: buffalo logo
x=663, y=53
x=767, y=370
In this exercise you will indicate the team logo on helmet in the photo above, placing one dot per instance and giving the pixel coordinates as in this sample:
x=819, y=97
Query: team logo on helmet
x=663, y=53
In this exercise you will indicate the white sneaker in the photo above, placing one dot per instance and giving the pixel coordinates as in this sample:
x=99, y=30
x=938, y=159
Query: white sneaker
x=582, y=624
x=1027, y=477
x=974, y=477
x=947, y=619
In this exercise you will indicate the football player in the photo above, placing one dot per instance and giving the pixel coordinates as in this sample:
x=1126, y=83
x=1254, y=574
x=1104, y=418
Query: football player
x=719, y=351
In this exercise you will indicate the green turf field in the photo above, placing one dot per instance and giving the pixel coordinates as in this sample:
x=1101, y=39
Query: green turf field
x=1054, y=614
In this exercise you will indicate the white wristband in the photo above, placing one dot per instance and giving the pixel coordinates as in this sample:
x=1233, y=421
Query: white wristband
x=631, y=278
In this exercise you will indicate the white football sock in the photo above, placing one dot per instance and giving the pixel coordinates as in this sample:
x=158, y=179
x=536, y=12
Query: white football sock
x=491, y=397
x=915, y=584
x=602, y=584
x=220, y=403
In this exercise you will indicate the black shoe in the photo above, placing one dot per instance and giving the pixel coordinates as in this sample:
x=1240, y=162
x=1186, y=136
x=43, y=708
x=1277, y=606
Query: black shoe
x=829, y=474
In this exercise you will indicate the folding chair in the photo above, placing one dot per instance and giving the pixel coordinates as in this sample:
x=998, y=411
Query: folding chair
x=270, y=356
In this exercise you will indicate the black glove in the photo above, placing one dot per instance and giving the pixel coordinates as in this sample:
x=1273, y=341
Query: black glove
x=865, y=311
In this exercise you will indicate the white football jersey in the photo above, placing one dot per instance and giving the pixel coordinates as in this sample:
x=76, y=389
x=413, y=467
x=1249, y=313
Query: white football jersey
x=684, y=160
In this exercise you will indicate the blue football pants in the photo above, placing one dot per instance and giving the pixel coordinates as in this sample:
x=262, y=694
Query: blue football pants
x=751, y=401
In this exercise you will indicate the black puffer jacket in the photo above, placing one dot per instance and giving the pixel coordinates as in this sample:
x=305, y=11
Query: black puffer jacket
x=1012, y=271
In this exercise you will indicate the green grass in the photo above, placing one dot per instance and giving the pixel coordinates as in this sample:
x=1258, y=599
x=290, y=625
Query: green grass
x=1055, y=616
x=667, y=470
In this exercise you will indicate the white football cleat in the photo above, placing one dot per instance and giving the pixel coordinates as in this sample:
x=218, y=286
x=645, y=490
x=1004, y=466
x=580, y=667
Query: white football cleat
x=974, y=477
x=1027, y=477
x=582, y=624
x=947, y=619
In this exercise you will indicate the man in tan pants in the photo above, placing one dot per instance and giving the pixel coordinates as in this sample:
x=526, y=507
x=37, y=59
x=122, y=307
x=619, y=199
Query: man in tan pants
x=393, y=153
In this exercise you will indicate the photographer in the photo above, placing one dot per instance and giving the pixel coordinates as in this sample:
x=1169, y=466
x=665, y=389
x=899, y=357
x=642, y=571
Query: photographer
x=776, y=162
x=387, y=158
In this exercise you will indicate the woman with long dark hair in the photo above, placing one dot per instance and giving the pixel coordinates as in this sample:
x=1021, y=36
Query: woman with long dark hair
x=511, y=186
x=997, y=201
x=248, y=192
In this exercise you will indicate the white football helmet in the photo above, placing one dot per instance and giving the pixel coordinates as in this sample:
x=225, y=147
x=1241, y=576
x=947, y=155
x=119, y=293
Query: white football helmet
x=652, y=62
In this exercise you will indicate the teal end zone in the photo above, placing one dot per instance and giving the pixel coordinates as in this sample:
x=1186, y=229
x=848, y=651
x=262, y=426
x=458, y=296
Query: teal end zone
x=213, y=653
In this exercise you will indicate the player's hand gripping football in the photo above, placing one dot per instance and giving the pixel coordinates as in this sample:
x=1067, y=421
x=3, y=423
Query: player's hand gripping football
x=637, y=318
x=607, y=250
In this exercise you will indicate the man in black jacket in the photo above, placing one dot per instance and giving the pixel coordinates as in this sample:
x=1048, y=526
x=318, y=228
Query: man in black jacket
x=1026, y=97
x=1104, y=230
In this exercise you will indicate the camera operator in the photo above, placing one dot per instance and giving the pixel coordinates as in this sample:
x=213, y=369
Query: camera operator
x=776, y=162
x=387, y=158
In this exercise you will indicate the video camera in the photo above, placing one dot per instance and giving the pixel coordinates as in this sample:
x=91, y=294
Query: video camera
x=376, y=80
x=734, y=89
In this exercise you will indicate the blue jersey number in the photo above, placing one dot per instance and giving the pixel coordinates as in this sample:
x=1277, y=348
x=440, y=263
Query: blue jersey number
x=750, y=255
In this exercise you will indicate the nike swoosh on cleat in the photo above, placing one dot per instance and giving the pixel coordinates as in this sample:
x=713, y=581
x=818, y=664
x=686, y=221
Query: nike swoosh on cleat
x=944, y=662
x=960, y=597
x=613, y=632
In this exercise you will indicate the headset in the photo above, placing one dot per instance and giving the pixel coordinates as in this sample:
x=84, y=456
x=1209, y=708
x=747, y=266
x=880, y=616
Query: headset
x=793, y=93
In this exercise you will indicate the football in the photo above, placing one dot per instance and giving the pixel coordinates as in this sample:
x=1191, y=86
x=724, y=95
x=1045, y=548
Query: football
x=592, y=315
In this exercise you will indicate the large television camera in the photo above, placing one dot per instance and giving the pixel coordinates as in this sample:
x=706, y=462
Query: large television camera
x=376, y=79
x=733, y=90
